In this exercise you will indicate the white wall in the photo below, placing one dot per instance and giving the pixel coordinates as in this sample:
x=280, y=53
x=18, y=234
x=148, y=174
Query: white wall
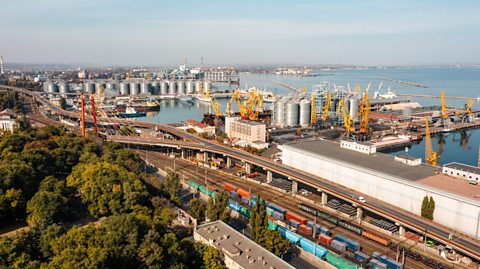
x=449, y=211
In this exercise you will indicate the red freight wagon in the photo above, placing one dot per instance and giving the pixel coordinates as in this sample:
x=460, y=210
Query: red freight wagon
x=305, y=229
x=243, y=193
x=325, y=239
x=230, y=187
x=296, y=217
x=412, y=236
x=376, y=237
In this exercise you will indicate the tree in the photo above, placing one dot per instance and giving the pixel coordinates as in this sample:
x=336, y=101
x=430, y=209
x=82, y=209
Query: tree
x=172, y=186
x=63, y=103
x=424, y=209
x=197, y=209
x=211, y=258
x=431, y=208
x=217, y=209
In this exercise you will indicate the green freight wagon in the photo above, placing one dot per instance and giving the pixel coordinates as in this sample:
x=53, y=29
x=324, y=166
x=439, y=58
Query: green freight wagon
x=340, y=262
x=245, y=212
x=203, y=189
x=193, y=184
x=272, y=225
x=213, y=194
x=269, y=211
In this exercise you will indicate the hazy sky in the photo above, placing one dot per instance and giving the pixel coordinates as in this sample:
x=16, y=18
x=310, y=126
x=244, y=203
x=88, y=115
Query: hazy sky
x=127, y=32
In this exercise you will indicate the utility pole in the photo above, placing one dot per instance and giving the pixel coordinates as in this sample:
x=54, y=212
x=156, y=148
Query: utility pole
x=82, y=103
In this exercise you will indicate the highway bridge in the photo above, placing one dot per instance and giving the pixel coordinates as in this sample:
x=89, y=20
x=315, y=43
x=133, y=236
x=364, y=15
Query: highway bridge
x=188, y=141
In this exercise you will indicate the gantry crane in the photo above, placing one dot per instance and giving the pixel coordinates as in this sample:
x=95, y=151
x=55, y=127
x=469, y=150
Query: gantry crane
x=254, y=104
x=445, y=117
x=216, y=109
x=468, y=116
x=313, y=112
x=236, y=98
x=430, y=154
x=364, y=112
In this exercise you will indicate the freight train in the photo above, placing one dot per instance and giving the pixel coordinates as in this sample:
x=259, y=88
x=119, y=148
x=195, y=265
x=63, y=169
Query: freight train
x=338, y=250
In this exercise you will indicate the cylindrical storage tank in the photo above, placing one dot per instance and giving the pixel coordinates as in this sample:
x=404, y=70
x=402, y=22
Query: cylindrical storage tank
x=89, y=87
x=155, y=88
x=134, y=88
x=181, y=87
x=198, y=86
x=46, y=86
x=353, y=108
x=305, y=112
x=207, y=85
x=292, y=114
x=63, y=87
x=111, y=85
x=124, y=88
x=163, y=88
x=172, y=88
x=99, y=87
x=279, y=113
x=190, y=86
x=145, y=87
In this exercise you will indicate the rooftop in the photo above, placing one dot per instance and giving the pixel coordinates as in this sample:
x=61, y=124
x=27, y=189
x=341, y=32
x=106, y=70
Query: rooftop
x=453, y=185
x=380, y=162
x=463, y=167
x=239, y=248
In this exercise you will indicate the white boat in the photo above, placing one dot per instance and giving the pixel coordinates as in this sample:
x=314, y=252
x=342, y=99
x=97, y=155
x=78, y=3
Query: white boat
x=203, y=98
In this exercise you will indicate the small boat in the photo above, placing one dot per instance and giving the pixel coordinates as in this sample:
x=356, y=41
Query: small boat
x=142, y=107
x=130, y=112
x=446, y=130
x=185, y=98
x=203, y=98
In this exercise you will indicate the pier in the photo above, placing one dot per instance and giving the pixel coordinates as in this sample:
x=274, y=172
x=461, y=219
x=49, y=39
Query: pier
x=405, y=82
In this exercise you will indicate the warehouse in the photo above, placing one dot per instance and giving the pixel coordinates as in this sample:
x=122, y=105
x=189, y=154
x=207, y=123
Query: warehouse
x=380, y=176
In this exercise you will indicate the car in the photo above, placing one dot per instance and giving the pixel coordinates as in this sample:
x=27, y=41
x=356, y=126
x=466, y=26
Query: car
x=473, y=182
x=429, y=243
x=362, y=199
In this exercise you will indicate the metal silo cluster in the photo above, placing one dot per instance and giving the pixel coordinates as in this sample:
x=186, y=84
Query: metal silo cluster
x=292, y=111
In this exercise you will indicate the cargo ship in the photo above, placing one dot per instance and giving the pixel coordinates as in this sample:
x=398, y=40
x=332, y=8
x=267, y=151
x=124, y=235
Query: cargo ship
x=140, y=107
x=131, y=112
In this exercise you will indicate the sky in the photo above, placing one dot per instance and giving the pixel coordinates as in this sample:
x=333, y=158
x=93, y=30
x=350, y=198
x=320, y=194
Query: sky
x=242, y=32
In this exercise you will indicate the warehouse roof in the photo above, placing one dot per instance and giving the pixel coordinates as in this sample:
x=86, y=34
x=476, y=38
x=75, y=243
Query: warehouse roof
x=463, y=167
x=239, y=248
x=379, y=162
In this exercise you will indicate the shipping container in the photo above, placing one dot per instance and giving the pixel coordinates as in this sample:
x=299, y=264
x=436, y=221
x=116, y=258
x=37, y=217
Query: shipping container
x=303, y=229
x=325, y=239
x=243, y=193
x=340, y=246
x=269, y=211
x=277, y=208
x=229, y=187
x=293, y=216
x=339, y=262
x=376, y=237
x=293, y=223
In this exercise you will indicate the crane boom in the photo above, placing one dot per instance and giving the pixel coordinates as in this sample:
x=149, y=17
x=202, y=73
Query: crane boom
x=444, y=105
x=365, y=110
x=326, y=107
x=313, y=113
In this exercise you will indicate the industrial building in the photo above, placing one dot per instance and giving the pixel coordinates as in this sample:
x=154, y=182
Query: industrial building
x=380, y=176
x=463, y=171
x=236, y=250
x=199, y=127
x=7, y=120
x=252, y=132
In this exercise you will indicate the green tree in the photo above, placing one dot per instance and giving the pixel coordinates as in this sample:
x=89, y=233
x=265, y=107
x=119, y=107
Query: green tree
x=217, y=209
x=431, y=208
x=276, y=243
x=424, y=208
x=211, y=258
x=63, y=103
x=172, y=186
x=197, y=209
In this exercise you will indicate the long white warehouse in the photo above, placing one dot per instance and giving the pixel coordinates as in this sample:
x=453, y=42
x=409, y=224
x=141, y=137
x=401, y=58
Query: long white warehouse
x=379, y=176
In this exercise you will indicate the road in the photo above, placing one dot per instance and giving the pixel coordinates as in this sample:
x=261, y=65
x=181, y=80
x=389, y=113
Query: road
x=436, y=231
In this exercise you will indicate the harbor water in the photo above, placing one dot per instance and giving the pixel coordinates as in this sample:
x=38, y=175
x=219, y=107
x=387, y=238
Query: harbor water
x=455, y=81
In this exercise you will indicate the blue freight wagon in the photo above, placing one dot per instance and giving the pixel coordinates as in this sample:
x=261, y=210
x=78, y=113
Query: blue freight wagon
x=307, y=245
x=391, y=263
x=292, y=237
x=277, y=208
x=293, y=223
x=324, y=230
x=360, y=256
x=351, y=244
x=234, y=205
x=282, y=231
x=340, y=246
x=376, y=264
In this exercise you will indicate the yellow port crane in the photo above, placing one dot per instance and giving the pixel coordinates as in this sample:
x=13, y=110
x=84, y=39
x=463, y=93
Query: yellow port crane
x=236, y=98
x=444, y=106
x=326, y=107
x=254, y=104
x=347, y=121
x=216, y=109
x=364, y=112
x=313, y=112
x=430, y=154
x=468, y=115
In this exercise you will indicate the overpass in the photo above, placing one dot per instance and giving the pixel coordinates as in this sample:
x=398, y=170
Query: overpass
x=404, y=218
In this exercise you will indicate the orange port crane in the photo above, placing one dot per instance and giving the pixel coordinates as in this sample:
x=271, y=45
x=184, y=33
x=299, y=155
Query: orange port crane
x=430, y=154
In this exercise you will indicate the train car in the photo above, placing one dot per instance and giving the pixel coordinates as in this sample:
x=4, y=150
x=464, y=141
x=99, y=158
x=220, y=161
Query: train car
x=339, y=262
x=278, y=215
x=313, y=248
x=361, y=258
x=234, y=205
x=376, y=264
x=243, y=193
x=307, y=208
x=272, y=225
x=351, y=244
x=354, y=228
x=230, y=187
x=292, y=237
x=325, y=239
x=305, y=230
x=293, y=216
x=391, y=263
x=339, y=246
x=376, y=237
x=193, y=184
x=293, y=223
x=269, y=211
x=327, y=217
x=277, y=208
x=245, y=212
